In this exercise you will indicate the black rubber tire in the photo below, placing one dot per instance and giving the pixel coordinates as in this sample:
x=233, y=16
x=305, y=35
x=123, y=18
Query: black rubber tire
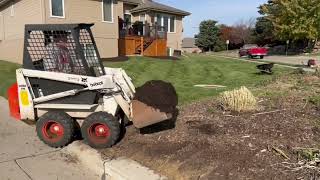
x=102, y=118
x=64, y=120
x=261, y=57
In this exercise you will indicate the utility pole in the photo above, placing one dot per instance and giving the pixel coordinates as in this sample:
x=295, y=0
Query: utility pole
x=287, y=48
x=228, y=42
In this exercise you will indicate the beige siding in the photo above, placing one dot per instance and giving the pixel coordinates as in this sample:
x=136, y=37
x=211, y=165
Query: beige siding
x=90, y=11
x=24, y=12
x=135, y=17
x=175, y=39
x=76, y=11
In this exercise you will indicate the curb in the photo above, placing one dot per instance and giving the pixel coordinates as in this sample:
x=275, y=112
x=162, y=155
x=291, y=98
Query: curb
x=87, y=156
x=115, y=169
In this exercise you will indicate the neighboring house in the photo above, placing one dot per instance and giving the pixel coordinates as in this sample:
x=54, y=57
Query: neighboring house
x=189, y=46
x=107, y=15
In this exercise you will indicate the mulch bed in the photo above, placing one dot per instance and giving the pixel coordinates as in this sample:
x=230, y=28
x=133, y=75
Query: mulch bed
x=207, y=143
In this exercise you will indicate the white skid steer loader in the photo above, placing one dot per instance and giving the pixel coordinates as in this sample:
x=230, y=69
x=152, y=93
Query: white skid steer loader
x=63, y=82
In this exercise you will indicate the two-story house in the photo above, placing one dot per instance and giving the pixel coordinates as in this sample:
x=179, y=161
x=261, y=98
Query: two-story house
x=114, y=21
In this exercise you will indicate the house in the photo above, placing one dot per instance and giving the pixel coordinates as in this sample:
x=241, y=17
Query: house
x=189, y=46
x=115, y=24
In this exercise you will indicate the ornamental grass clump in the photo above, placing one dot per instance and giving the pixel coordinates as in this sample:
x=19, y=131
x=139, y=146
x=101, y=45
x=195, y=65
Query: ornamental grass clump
x=238, y=100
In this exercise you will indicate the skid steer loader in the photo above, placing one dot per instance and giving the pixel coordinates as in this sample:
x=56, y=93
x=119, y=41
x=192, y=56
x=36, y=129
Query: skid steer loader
x=63, y=82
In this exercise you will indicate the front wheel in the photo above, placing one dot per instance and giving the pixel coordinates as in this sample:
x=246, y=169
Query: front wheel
x=55, y=128
x=100, y=130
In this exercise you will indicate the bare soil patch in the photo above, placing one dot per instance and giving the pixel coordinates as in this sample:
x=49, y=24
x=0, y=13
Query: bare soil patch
x=208, y=143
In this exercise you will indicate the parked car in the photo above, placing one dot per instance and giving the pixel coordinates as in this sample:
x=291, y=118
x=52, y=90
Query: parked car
x=253, y=51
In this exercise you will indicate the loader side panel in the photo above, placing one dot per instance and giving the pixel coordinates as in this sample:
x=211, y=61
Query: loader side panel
x=48, y=87
x=13, y=99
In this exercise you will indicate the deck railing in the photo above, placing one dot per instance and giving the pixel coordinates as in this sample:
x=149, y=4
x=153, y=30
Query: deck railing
x=142, y=39
x=143, y=29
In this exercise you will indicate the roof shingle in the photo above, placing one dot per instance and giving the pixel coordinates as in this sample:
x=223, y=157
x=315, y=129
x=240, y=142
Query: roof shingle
x=137, y=2
x=143, y=5
x=151, y=5
x=3, y=2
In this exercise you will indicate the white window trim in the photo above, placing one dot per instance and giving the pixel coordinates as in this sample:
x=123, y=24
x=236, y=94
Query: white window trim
x=12, y=10
x=2, y=35
x=112, y=15
x=169, y=22
x=63, y=11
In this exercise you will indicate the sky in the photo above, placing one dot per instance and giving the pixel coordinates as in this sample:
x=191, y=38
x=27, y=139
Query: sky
x=224, y=11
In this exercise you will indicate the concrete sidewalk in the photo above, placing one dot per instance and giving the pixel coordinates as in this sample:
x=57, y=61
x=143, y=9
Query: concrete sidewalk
x=24, y=157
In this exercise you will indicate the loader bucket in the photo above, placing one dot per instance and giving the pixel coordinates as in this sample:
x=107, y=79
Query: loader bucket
x=144, y=115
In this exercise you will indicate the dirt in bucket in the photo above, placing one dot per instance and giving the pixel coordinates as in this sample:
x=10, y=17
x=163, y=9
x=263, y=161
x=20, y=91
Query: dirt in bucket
x=158, y=94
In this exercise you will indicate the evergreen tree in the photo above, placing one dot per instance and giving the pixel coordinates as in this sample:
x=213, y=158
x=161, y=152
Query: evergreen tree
x=208, y=36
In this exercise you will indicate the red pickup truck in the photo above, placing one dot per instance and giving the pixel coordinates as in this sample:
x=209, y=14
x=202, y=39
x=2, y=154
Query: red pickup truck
x=253, y=51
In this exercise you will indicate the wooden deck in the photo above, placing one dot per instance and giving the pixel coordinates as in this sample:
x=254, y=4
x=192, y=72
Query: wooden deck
x=145, y=46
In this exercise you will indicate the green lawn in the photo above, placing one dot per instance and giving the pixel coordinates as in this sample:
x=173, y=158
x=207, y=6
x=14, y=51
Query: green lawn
x=7, y=76
x=184, y=74
x=196, y=69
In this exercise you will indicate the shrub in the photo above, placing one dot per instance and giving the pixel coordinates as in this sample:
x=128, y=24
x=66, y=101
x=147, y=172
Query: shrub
x=239, y=100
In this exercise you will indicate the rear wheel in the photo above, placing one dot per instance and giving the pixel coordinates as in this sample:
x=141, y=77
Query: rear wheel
x=55, y=128
x=261, y=57
x=101, y=130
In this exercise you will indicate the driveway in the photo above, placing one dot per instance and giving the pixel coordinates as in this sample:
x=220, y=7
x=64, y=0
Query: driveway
x=24, y=157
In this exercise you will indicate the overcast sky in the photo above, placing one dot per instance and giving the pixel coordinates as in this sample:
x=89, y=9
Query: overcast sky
x=224, y=11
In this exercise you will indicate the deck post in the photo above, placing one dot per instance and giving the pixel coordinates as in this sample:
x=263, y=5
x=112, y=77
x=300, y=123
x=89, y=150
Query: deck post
x=142, y=46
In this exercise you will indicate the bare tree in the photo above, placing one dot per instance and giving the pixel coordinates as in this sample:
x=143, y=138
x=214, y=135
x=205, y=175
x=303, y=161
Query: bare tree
x=242, y=31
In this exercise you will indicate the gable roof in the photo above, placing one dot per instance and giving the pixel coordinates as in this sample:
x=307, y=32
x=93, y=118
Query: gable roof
x=136, y=2
x=189, y=43
x=143, y=5
x=155, y=6
x=3, y=2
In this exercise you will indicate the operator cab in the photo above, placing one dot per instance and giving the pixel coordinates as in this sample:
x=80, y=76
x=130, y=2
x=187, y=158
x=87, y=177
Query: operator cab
x=62, y=48
x=65, y=48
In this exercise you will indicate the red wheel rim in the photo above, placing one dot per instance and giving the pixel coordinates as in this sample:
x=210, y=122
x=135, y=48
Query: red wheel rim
x=53, y=131
x=99, y=133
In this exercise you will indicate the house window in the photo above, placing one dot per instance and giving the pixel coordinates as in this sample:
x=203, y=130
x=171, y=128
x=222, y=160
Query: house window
x=143, y=19
x=166, y=21
x=127, y=19
x=172, y=24
x=57, y=8
x=107, y=10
